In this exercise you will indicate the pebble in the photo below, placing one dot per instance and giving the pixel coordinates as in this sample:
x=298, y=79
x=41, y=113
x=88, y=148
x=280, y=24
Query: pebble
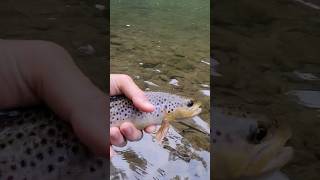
x=205, y=62
x=156, y=70
x=100, y=7
x=307, y=98
x=137, y=77
x=309, y=4
x=174, y=82
x=151, y=83
x=306, y=76
x=87, y=49
x=205, y=92
x=205, y=85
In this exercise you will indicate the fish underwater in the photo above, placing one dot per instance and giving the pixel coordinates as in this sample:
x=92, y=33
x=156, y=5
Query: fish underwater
x=249, y=147
x=36, y=144
x=168, y=107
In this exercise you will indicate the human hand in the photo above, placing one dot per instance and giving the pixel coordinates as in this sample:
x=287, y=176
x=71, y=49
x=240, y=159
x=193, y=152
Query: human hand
x=33, y=72
x=123, y=84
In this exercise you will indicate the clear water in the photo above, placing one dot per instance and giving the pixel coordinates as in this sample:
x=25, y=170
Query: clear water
x=164, y=46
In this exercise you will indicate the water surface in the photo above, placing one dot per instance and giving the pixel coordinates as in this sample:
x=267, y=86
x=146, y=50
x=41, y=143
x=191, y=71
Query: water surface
x=164, y=46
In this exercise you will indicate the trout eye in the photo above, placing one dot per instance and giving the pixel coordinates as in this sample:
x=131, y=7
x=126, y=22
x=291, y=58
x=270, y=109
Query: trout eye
x=257, y=135
x=190, y=103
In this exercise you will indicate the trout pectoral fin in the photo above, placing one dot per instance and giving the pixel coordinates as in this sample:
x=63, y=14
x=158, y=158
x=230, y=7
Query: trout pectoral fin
x=162, y=131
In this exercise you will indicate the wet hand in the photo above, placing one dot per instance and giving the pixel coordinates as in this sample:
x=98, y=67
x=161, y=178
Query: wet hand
x=123, y=84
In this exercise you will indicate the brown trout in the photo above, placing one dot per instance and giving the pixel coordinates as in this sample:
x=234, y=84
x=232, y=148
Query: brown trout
x=168, y=107
x=35, y=144
x=248, y=146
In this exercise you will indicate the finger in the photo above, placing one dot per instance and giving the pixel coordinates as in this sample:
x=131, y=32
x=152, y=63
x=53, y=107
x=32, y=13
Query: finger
x=116, y=137
x=142, y=103
x=124, y=84
x=130, y=132
x=150, y=129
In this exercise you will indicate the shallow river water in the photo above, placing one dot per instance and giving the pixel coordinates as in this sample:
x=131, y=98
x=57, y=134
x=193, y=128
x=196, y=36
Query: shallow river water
x=164, y=46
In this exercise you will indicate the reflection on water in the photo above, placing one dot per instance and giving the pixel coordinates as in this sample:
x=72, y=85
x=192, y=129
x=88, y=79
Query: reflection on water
x=268, y=54
x=164, y=46
x=146, y=159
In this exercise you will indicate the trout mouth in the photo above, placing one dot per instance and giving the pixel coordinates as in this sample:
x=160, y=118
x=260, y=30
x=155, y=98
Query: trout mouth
x=195, y=109
x=188, y=112
x=273, y=153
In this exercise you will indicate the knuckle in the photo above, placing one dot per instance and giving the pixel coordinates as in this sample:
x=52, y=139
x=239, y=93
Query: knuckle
x=126, y=77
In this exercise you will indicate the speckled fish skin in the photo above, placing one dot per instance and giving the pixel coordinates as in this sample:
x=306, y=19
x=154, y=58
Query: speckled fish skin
x=123, y=110
x=35, y=145
x=248, y=145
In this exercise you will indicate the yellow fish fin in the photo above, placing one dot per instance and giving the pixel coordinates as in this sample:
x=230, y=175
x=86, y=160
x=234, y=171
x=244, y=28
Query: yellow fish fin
x=162, y=131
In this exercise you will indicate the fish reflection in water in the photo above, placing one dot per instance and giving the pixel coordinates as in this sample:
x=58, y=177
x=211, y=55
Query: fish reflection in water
x=146, y=159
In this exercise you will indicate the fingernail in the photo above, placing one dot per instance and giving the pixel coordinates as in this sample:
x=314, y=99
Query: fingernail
x=124, y=143
x=152, y=129
x=141, y=136
x=148, y=104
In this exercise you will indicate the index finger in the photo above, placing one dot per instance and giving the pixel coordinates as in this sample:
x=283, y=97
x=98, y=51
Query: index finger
x=123, y=84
